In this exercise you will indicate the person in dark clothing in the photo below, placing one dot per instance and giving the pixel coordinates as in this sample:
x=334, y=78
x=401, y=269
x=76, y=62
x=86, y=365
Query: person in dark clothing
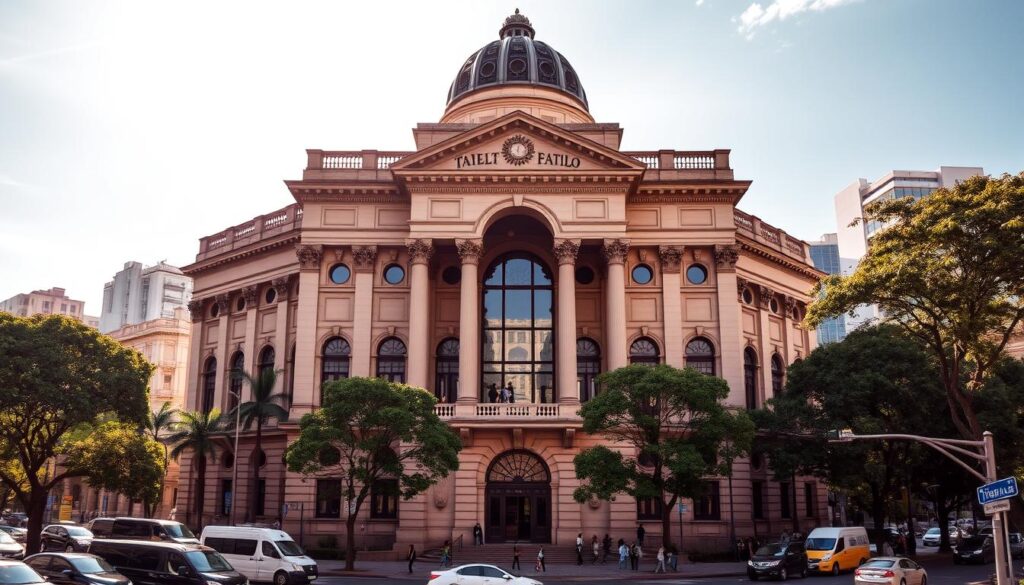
x=634, y=559
x=640, y=532
x=478, y=535
x=492, y=393
x=412, y=556
x=511, y=393
x=515, y=557
x=606, y=548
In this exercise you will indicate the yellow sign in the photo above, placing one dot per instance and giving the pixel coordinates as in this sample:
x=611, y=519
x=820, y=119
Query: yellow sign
x=65, y=512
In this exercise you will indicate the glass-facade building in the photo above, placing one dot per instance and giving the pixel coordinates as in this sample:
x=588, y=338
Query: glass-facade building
x=825, y=255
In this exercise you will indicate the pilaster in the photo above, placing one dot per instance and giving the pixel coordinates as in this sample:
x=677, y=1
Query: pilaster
x=281, y=333
x=730, y=327
x=565, y=342
x=671, y=291
x=615, y=302
x=196, y=309
x=469, y=321
x=305, y=393
x=224, y=310
x=420, y=252
x=365, y=259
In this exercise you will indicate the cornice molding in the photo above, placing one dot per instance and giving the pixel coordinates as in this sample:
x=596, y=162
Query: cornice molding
x=231, y=256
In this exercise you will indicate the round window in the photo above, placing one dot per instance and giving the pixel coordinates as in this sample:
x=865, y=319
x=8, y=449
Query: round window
x=773, y=305
x=796, y=313
x=748, y=297
x=452, y=275
x=394, y=274
x=215, y=310
x=271, y=295
x=696, y=274
x=240, y=304
x=584, y=275
x=340, y=274
x=642, y=274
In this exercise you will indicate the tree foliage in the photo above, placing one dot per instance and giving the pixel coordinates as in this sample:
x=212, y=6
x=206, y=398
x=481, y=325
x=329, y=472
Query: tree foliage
x=263, y=405
x=369, y=429
x=948, y=270
x=198, y=433
x=160, y=422
x=116, y=457
x=666, y=429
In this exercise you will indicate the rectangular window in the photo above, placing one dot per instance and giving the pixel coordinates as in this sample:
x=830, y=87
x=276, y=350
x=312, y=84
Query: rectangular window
x=784, y=500
x=63, y=307
x=225, y=497
x=708, y=506
x=757, y=498
x=328, y=498
x=261, y=496
x=810, y=494
x=384, y=499
x=649, y=508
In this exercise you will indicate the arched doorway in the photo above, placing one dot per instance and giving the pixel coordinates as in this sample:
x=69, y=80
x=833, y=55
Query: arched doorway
x=518, y=498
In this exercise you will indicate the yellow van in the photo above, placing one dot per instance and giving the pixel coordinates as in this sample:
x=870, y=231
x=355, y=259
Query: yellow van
x=834, y=550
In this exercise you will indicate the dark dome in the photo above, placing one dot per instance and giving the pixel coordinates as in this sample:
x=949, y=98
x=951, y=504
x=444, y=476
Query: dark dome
x=517, y=59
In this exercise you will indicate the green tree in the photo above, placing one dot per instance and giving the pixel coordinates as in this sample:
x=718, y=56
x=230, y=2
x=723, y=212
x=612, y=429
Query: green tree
x=199, y=433
x=947, y=270
x=738, y=442
x=116, y=457
x=160, y=422
x=57, y=374
x=367, y=430
x=265, y=405
x=667, y=428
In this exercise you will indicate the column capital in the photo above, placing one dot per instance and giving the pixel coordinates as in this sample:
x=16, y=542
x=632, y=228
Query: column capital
x=790, y=303
x=615, y=251
x=250, y=294
x=363, y=257
x=671, y=258
x=566, y=251
x=195, y=307
x=470, y=250
x=764, y=296
x=281, y=288
x=309, y=256
x=726, y=256
x=223, y=301
x=420, y=251
x=741, y=285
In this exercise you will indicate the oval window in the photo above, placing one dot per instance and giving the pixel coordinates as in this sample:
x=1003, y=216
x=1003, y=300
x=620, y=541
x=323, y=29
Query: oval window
x=773, y=305
x=642, y=274
x=584, y=275
x=452, y=275
x=696, y=274
x=214, y=310
x=271, y=295
x=240, y=304
x=340, y=274
x=394, y=274
x=748, y=297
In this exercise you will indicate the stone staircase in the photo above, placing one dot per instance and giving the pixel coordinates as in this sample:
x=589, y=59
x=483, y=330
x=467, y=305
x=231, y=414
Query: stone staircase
x=501, y=555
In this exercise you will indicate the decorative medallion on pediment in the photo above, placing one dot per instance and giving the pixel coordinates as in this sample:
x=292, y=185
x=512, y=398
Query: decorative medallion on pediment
x=517, y=150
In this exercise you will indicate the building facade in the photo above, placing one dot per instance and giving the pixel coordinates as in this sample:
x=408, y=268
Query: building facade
x=825, y=255
x=138, y=294
x=53, y=301
x=516, y=247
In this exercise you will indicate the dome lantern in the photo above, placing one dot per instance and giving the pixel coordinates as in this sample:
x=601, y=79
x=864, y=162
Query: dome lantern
x=516, y=25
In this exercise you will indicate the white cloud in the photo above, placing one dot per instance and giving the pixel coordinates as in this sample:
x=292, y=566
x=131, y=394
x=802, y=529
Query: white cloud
x=700, y=2
x=756, y=16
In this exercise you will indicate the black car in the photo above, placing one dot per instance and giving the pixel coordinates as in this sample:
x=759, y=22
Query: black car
x=974, y=549
x=9, y=548
x=75, y=569
x=142, y=529
x=65, y=537
x=166, y=563
x=778, y=560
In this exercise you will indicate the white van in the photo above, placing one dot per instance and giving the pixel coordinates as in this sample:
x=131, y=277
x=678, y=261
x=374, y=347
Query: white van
x=262, y=554
x=834, y=550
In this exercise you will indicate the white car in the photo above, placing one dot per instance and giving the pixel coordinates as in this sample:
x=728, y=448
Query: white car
x=890, y=570
x=479, y=575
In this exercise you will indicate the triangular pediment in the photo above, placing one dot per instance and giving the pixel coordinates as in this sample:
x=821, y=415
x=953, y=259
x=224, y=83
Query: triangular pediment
x=518, y=143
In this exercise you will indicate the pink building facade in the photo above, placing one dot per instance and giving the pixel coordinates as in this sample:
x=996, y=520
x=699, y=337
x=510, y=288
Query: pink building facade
x=516, y=247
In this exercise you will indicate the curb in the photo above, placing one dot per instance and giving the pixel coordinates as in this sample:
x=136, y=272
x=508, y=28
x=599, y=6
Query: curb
x=631, y=576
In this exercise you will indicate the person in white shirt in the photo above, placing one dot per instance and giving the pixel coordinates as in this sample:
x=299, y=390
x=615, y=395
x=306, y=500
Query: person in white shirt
x=661, y=561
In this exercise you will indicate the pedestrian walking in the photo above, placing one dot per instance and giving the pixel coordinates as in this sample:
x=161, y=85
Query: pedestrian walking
x=623, y=554
x=515, y=557
x=661, y=561
x=606, y=548
x=579, y=549
x=674, y=557
x=640, y=533
x=596, y=546
x=446, y=552
x=540, y=561
x=412, y=556
x=478, y=535
x=633, y=561
x=639, y=555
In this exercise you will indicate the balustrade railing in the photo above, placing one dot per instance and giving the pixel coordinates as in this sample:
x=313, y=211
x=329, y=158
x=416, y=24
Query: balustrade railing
x=693, y=161
x=509, y=411
x=253, y=230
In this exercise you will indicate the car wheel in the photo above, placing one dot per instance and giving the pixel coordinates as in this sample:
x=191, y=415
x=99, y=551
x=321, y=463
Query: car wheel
x=69, y=548
x=836, y=569
x=782, y=574
x=924, y=580
x=280, y=578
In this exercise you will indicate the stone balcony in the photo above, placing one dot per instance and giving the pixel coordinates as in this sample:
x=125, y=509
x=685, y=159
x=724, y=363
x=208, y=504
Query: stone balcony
x=672, y=165
x=515, y=413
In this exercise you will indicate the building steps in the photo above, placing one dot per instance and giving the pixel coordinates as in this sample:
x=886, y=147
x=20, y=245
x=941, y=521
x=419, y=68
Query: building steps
x=501, y=554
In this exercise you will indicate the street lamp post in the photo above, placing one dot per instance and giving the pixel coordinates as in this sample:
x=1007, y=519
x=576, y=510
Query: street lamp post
x=234, y=455
x=982, y=450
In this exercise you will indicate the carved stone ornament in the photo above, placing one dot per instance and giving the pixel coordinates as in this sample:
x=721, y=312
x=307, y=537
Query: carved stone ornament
x=671, y=257
x=442, y=492
x=741, y=285
x=470, y=250
x=309, y=256
x=281, y=288
x=363, y=257
x=790, y=303
x=195, y=307
x=223, y=303
x=420, y=251
x=726, y=256
x=566, y=251
x=250, y=294
x=764, y=297
x=615, y=251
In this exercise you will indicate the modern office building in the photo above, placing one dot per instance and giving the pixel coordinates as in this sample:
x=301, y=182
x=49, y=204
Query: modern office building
x=516, y=246
x=825, y=255
x=138, y=294
x=54, y=301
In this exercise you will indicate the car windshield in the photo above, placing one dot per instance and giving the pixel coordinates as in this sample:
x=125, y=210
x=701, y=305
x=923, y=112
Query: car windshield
x=770, y=550
x=932, y=531
x=18, y=574
x=208, y=561
x=89, y=565
x=178, y=531
x=289, y=548
x=820, y=543
x=79, y=531
x=973, y=541
x=5, y=538
x=878, y=564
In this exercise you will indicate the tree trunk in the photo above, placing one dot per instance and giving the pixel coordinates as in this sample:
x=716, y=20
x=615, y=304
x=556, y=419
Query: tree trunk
x=796, y=513
x=878, y=512
x=201, y=489
x=350, y=541
x=256, y=469
x=36, y=510
x=732, y=518
x=666, y=522
x=943, y=512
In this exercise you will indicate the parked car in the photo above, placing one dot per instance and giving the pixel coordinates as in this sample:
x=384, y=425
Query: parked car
x=934, y=536
x=890, y=570
x=9, y=548
x=776, y=560
x=142, y=529
x=834, y=550
x=166, y=563
x=18, y=534
x=65, y=537
x=262, y=554
x=18, y=573
x=974, y=549
x=75, y=569
x=1017, y=545
x=478, y=575
x=19, y=519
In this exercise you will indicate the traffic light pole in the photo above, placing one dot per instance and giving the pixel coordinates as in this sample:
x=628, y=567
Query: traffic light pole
x=983, y=451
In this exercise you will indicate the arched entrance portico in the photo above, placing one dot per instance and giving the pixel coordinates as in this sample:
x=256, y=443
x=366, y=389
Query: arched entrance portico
x=518, y=498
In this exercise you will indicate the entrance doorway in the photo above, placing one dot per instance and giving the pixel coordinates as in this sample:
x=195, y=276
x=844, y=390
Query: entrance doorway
x=518, y=499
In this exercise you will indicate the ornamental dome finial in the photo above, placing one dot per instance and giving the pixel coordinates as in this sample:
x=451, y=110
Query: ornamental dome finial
x=516, y=25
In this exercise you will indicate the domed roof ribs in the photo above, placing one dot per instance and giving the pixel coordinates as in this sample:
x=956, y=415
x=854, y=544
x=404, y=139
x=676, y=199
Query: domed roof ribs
x=502, y=55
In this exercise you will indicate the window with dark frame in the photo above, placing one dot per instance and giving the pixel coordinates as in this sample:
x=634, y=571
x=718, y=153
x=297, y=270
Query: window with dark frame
x=644, y=351
x=649, y=508
x=209, y=384
x=750, y=377
x=446, y=382
x=757, y=499
x=226, y=497
x=810, y=494
x=777, y=374
x=266, y=361
x=708, y=506
x=235, y=379
x=261, y=496
x=328, y=498
x=384, y=499
x=588, y=366
x=391, y=360
x=785, y=500
x=700, y=355
x=334, y=362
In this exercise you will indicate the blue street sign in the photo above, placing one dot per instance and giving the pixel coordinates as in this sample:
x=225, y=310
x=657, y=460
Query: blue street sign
x=998, y=490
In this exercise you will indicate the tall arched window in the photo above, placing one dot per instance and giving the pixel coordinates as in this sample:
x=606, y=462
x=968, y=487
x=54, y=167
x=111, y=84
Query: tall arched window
x=391, y=360
x=446, y=380
x=335, y=360
x=644, y=351
x=700, y=355
x=209, y=384
x=750, y=377
x=266, y=363
x=518, y=330
x=290, y=366
x=777, y=373
x=588, y=366
x=235, y=379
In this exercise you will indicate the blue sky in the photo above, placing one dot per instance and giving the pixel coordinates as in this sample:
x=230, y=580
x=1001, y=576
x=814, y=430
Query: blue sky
x=129, y=130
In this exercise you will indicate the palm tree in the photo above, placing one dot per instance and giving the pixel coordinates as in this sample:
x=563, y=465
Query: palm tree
x=263, y=406
x=158, y=422
x=198, y=432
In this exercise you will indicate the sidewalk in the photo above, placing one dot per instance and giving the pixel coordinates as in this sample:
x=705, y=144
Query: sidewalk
x=555, y=572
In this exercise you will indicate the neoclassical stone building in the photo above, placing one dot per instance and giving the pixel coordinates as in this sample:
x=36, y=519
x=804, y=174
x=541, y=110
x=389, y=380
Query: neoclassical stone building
x=518, y=248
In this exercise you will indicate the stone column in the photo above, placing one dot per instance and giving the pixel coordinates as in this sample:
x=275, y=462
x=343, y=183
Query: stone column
x=420, y=252
x=305, y=393
x=251, y=296
x=765, y=351
x=365, y=258
x=469, y=321
x=565, y=340
x=615, y=303
x=671, y=302
x=224, y=310
x=196, y=308
x=281, y=332
x=788, y=305
x=730, y=332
